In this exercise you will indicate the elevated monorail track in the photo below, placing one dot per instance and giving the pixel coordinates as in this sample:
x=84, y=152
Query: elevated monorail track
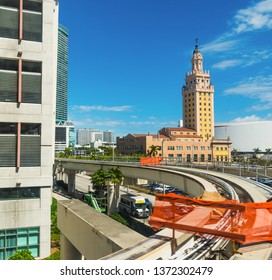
x=191, y=246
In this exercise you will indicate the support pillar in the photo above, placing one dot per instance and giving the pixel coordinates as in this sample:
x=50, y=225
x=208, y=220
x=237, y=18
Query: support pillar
x=71, y=180
x=68, y=250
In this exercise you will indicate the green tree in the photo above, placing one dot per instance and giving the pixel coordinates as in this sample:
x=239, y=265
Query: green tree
x=102, y=178
x=98, y=180
x=22, y=255
x=255, y=152
x=234, y=154
x=153, y=150
x=267, y=152
x=68, y=151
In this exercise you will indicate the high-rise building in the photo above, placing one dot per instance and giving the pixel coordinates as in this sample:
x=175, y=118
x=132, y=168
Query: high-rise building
x=85, y=136
x=108, y=136
x=65, y=136
x=62, y=74
x=65, y=130
x=28, y=71
x=198, y=100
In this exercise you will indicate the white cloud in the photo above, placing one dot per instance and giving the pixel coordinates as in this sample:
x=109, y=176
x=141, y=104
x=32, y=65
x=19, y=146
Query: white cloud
x=256, y=17
x=101, y=108
x=261, y=107
x=222, y=44
x=256, y=56
x=252, y=118
x=259, y=87
x=227, y=63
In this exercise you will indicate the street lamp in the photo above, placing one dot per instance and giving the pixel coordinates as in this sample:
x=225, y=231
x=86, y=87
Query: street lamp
x=113, y=151
x=162, y=154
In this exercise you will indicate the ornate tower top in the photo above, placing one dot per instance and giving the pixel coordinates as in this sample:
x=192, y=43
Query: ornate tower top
x=197, y=60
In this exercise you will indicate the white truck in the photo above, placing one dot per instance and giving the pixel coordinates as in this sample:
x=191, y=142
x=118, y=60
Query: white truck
x=134, y=205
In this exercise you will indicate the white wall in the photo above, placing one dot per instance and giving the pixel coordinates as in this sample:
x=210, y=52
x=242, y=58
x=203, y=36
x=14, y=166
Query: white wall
x=246, y=136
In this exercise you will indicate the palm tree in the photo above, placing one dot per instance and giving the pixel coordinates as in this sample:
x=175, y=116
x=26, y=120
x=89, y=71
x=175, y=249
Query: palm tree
x=255, y=152
x=116, y=177
x=153, y=150
x=234, y=153
x=98, y=180
x=101, y=179
x=267, y=152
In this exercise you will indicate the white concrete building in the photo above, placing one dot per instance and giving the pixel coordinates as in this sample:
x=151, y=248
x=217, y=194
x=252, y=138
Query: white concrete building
x=28, y=58
x=246, y=136
x=65, y=136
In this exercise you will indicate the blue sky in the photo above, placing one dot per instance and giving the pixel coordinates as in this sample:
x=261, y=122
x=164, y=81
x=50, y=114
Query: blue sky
x=128, y=60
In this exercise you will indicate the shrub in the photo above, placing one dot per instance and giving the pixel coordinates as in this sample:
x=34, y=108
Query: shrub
x=22, y=255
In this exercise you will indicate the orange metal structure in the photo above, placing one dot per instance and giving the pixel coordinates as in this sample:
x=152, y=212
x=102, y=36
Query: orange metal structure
x=150, y=161
x=242, y=222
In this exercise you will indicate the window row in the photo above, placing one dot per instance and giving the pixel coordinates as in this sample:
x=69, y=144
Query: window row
x=190, y=158
x=31, y=20
x=221, y=148
x=20, y=144
x=19, y=193
x=20, y=82
x=188, y=148
x=12, y=240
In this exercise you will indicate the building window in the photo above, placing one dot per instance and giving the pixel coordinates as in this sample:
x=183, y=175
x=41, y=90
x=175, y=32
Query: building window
x=179, y=148
x=171, y=157
x=202, y=157
x=188, y=158
x=28, y=143
x=31, y=82
x=170, y=148
x=31, y=76
x=19, y=193
x=12, y=240
x=179, y=157
x=188, y=148
x=195, y=157
x=10, y=21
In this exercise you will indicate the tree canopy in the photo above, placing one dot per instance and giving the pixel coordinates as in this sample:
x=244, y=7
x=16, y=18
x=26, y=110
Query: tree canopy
x=22, y=255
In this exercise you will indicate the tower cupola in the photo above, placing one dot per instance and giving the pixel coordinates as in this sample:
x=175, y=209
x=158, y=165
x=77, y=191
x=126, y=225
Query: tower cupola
x=197, y=60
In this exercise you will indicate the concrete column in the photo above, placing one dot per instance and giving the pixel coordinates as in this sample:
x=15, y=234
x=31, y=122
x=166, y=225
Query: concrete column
x=71, y=180
x=68, y=250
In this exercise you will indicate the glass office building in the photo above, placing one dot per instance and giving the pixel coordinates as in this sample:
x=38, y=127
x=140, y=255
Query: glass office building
x=62, y=74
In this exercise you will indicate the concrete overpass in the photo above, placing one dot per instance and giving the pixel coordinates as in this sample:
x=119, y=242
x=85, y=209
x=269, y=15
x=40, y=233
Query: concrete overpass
x=86, y=232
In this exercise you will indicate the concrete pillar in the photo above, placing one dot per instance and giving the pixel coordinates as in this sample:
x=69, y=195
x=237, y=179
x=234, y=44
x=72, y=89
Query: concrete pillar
x=71, y=180
x=68, y=250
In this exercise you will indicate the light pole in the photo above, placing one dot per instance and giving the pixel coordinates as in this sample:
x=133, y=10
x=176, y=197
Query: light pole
x=162, y=149
x=113, y=151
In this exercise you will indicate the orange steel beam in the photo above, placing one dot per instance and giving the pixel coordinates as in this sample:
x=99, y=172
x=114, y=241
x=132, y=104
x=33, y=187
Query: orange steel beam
x=20, y=63
x=18, y=145
x=230, y=235
x=21, y=21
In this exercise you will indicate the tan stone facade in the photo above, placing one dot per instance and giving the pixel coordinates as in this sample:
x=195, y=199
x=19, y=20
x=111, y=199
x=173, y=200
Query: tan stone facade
x=195, y=141
x=176, y=145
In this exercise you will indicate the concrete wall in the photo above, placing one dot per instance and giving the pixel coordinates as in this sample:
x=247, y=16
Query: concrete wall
x=191, y=184
x=246, y=136
x=86, y=232
x=33, y=212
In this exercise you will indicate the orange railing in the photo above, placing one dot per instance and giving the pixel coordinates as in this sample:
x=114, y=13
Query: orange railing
x=150, y=161
x=242, y=222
